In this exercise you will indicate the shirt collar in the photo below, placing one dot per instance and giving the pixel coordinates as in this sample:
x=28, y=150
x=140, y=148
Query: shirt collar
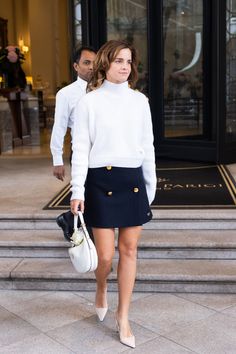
x=82, y=83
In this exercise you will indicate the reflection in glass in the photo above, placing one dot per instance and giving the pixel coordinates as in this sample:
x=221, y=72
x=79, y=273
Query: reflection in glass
x=128, y=20
x=77, y=23
x=183, y=57
x=231, y=70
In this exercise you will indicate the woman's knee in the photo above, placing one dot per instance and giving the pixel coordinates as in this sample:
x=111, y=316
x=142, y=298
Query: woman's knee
x=105, y=259
x=129, y=251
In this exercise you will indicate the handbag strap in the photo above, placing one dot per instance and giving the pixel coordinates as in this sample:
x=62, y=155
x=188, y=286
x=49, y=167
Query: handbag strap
x=80, y=215
x=86, y=234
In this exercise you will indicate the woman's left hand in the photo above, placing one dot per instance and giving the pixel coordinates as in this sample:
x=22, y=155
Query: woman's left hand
x=75, y=205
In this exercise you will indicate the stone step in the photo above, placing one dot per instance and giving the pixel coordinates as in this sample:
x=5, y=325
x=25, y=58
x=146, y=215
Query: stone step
x=154, y=244
x=168, y=219
x=212, y=276
x=33, y=243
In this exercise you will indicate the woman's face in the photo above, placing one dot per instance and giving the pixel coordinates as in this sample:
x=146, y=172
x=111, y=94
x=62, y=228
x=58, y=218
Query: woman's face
x=120, y=68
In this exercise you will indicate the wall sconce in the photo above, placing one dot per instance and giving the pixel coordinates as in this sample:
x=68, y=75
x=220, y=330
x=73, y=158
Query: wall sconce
x=23, y=48
x=29, y=80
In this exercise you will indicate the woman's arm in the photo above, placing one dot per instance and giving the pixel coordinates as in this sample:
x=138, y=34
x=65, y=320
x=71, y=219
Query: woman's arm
x=148, y=166
x=81, y=146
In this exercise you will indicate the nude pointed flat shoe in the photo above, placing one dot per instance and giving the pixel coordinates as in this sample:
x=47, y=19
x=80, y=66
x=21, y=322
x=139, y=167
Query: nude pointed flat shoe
x=101, y=312
x=128, y=341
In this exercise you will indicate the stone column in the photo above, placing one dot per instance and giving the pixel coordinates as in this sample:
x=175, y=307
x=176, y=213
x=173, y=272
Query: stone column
x=5, y=126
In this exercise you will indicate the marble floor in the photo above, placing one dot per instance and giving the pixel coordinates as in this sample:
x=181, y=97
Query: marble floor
x=64, y=322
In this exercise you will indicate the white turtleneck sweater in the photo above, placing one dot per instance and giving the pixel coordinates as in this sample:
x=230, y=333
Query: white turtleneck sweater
x=114, y=129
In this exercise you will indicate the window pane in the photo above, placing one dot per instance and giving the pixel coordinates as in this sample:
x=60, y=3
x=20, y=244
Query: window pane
x=183, y=57
x=127, y=20
x=231, y=70
x=77, y=23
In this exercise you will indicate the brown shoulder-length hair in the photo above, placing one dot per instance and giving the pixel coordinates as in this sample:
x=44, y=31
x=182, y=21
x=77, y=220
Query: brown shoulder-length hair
x=105, y=56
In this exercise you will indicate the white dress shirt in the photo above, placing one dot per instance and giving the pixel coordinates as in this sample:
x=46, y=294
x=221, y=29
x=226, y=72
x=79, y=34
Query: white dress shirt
x=66, y=100
x=114, y=129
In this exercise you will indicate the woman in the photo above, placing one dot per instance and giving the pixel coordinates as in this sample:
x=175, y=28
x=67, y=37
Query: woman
x=113, y=152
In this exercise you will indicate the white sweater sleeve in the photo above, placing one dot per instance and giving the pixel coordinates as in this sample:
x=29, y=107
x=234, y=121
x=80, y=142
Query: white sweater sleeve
x=59, y=128
x=148, y=165
x=81, y=146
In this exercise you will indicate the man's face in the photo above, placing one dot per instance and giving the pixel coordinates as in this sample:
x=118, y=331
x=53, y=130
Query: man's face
x=84, y=67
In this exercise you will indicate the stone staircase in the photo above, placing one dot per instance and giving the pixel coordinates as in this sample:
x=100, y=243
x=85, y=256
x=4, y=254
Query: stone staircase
x=187, y=251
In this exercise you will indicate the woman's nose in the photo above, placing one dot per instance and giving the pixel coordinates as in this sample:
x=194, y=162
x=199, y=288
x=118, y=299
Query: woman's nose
x=125, y=65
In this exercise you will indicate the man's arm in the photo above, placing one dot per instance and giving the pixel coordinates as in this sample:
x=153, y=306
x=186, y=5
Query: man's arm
x=61, y=119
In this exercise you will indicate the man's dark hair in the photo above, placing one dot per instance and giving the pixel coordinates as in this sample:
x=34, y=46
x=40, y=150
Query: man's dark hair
x=78, y=52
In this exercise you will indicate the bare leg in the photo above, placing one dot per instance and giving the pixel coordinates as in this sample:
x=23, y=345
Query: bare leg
x=105, y=245
x=127, y=244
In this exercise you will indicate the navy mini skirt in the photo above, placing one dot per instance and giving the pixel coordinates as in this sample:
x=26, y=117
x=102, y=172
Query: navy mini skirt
x=116, y=197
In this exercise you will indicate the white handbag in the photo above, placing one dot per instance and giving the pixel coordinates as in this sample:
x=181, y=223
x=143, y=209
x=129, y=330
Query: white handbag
x=83, y=253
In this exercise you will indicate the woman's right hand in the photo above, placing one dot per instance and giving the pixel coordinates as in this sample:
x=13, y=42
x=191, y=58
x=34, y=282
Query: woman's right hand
x=75, y=205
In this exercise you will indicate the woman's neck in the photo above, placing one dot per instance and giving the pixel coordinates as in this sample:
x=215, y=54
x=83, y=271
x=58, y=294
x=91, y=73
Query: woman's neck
x=119, y=87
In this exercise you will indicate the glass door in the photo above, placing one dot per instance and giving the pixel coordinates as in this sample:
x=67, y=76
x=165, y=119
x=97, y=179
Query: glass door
x=230, y=70
x=227, y=151
x=180, y=68
x=183, y=68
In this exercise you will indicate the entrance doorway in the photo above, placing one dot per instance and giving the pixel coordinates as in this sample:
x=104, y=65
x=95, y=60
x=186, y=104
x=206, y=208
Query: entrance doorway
x=184, y=87
x=182, y=36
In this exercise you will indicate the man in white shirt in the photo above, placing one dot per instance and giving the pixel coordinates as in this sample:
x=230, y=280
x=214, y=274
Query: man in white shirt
x=66, y=100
